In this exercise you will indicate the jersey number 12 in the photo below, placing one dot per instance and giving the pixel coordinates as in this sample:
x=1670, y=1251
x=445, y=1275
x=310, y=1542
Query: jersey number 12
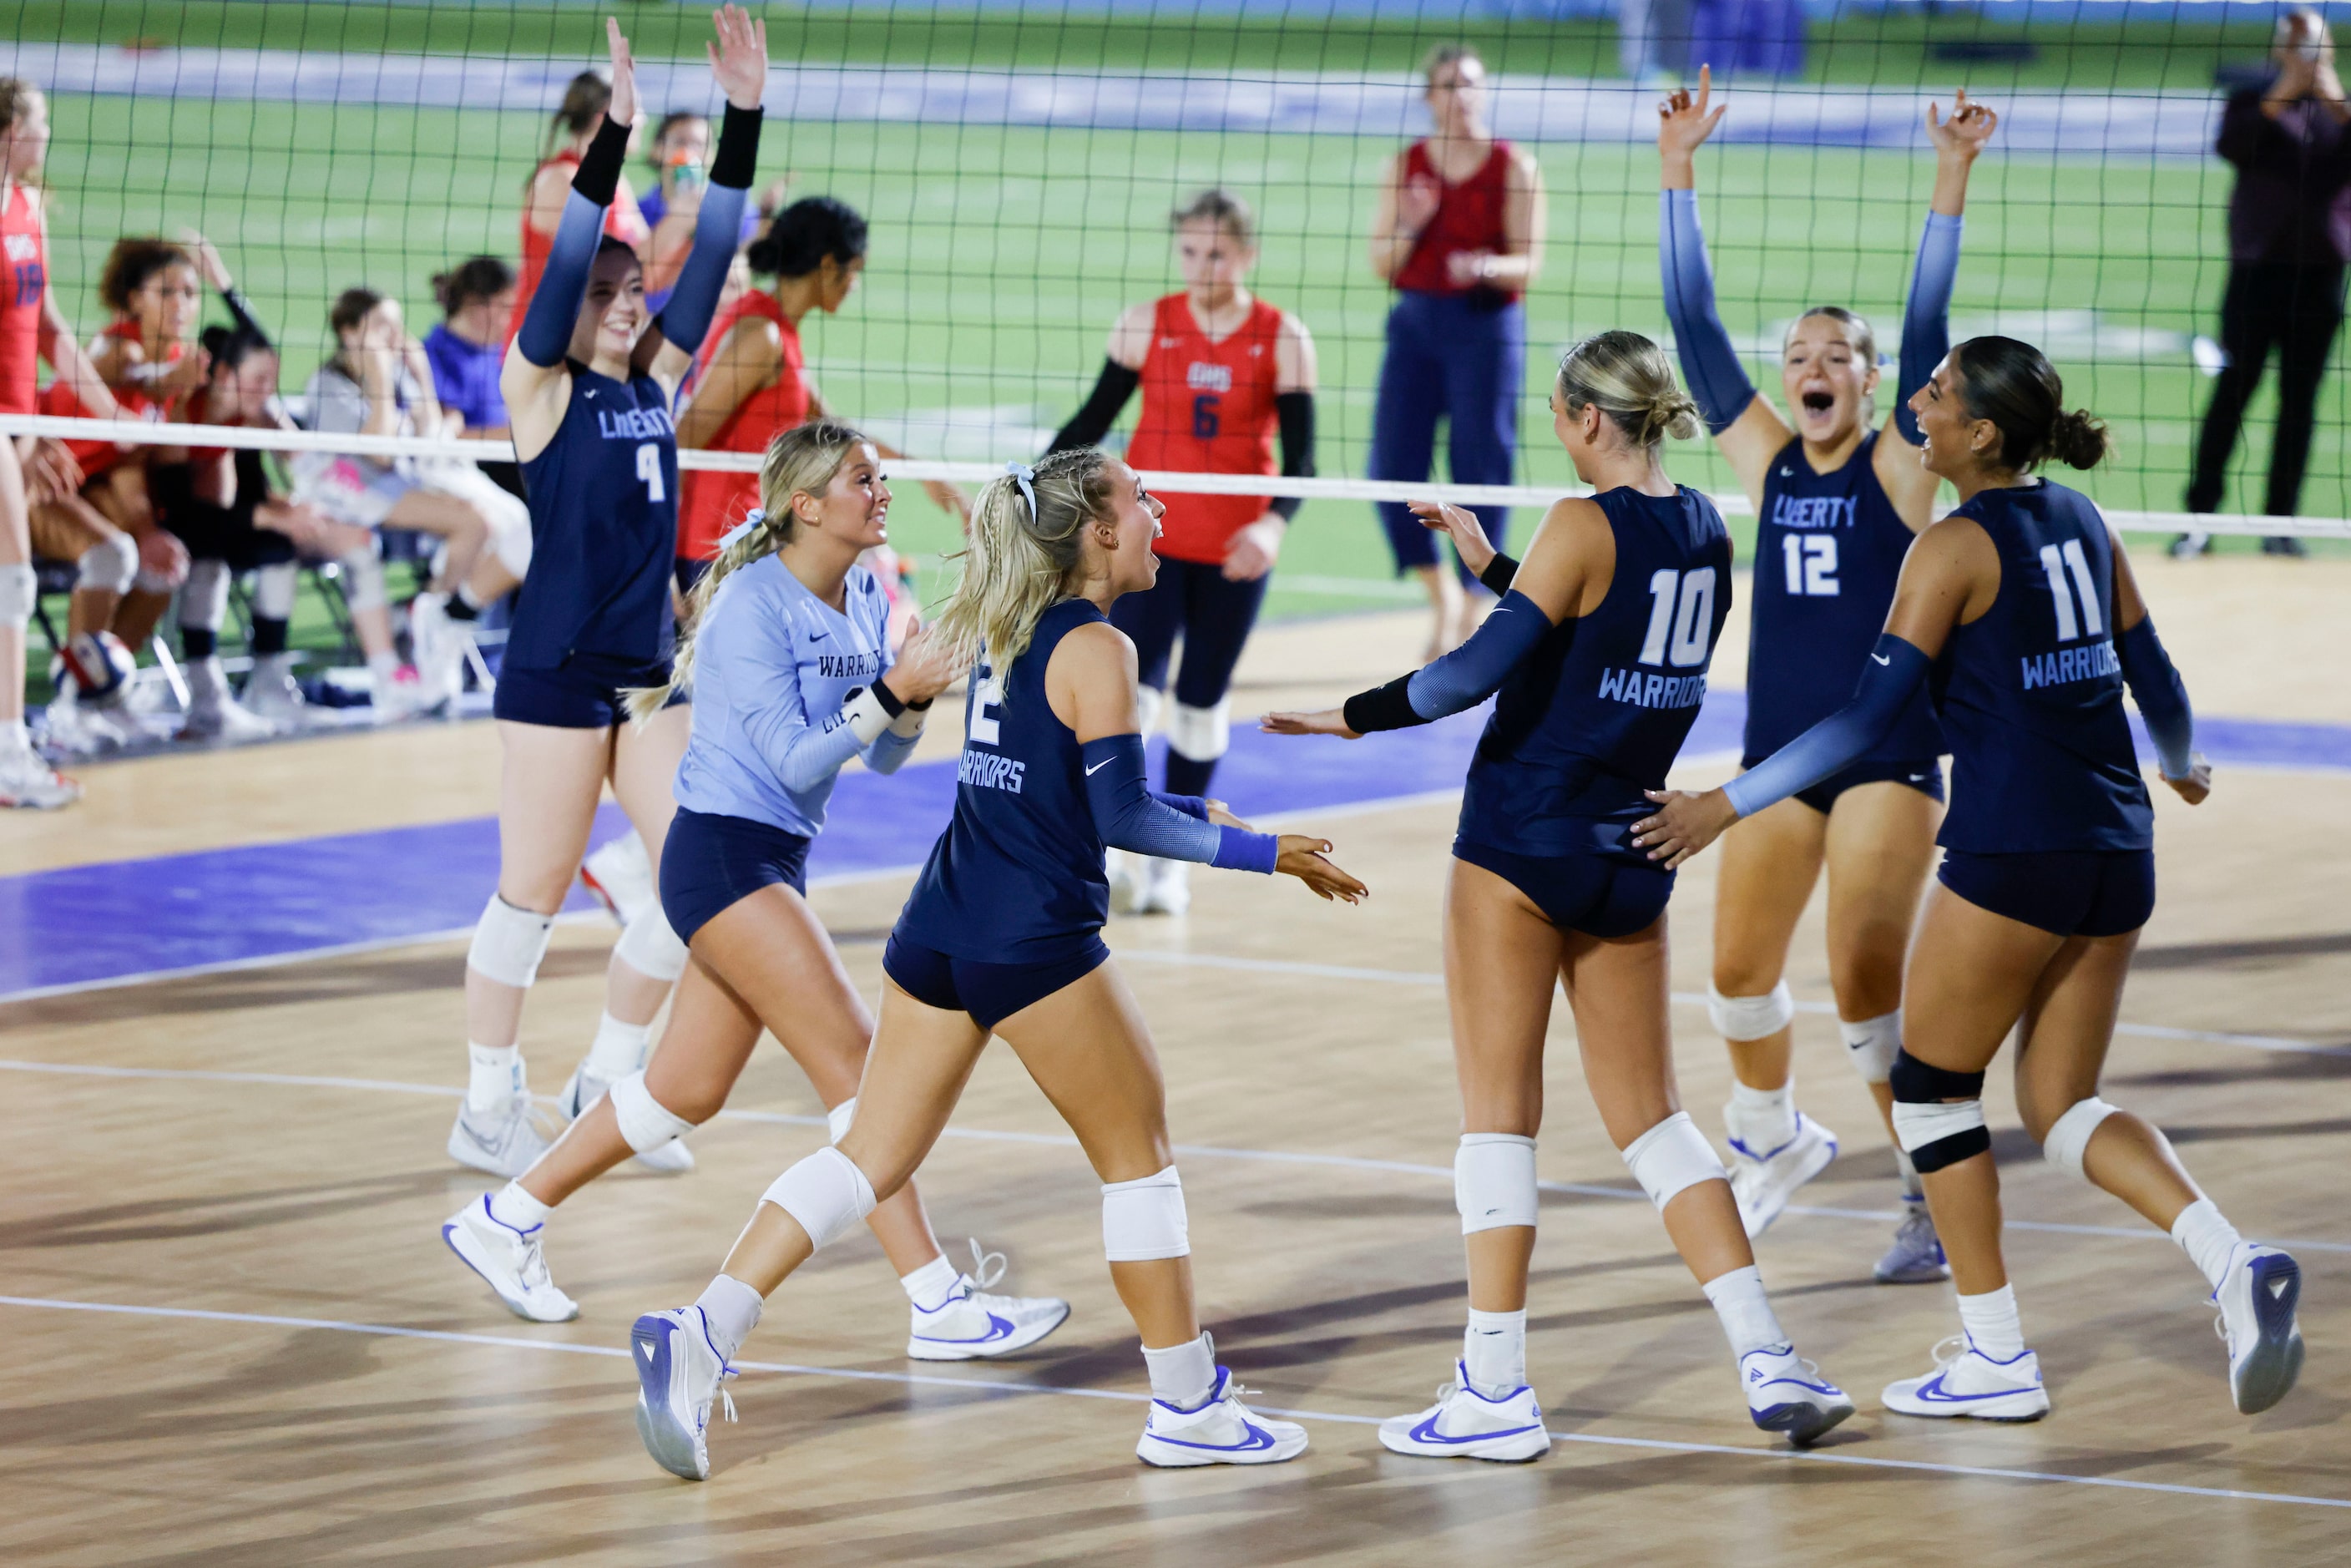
x=649, y=469
x=2055, y=564
x=1681, y=616
x=1812, y=562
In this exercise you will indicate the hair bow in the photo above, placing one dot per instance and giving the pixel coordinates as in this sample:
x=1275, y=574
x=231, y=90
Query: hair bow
x=1025, y=478
x=741, y=530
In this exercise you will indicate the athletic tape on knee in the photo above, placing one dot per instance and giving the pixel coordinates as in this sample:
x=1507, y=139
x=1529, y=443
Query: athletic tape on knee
x=645, y=1123
x=1671, y=1156
x=203, y=598
x=111, y=565
x=648, y=946
x=1871, y=1045
x=837, y=1120
x=1938, y=1116
x=1200, y=734
x=273, y=590
x=1752, y=1017
x=363, y=579
x=2069, y=1135
x=508, y=943
x=1144, y=1220
x=20, y=589
x=1494, y=1181
x=826, y=1193
x=1148, y=703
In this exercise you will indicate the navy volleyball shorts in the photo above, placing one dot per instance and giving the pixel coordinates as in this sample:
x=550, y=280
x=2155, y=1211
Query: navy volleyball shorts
x=2072, y=893
x=1924, y=774
x=583, y=693
x=990, y=993
x=709, y=863
x=1598, y=896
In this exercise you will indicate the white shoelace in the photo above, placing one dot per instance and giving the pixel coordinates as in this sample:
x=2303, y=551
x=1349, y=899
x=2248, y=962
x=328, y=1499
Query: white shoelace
x=987, y=1268
x=1944, y=1354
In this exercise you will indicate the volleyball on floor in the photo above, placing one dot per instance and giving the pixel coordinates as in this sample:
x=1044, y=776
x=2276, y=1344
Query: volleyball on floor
x=99, y=663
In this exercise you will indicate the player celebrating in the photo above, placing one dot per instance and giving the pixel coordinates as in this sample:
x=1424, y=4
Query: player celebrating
x=2020, y=613
x=1837, y=504
x=1220, y=369
x=1003, y=934
x=588, y=384
x=795, y=676
x=584, y=114
x=1600, y=649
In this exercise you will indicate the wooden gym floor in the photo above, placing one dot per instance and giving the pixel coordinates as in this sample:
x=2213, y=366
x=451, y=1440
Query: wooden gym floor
x=232, y=1336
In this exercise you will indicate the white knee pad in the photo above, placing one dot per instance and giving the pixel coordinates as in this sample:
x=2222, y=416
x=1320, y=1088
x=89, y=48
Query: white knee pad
x=508, y=943
x=2071, y=1134
x=1144, y=1220
x=1200, y=734
x=1494, y=1181
x=204, y=599
x=363, y=578
x=826, y=1193
x=645, y=1122
x=111, y=565
x=20, y=590
x=164, y=579
x=1670, y=1156
x=1919, y=1123
x=1872, y=1044
x=837, y=1120
x=1751, y=1018
x=648, y=946
x=1148, y=703
x=273, y=590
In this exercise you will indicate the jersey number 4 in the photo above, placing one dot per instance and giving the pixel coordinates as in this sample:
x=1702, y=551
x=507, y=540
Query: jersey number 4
x=1681, y=618
x=1812, y=564
x=649, y=469
x=2055, y=563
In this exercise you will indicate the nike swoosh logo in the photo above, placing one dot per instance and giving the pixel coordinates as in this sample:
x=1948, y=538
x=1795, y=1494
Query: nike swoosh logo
x=1100, y=766
x=1426, y=1432
x=997, y=1329
x=1887, y=662
x=1933, y=1393
x=1258, y=1438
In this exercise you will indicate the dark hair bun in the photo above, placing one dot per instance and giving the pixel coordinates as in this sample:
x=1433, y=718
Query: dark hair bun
x=2078, y=440
x=481, y=277
x=799, y=239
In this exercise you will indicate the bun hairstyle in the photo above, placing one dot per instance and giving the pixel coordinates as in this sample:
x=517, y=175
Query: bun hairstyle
x=1220, y=206
x=1019, y=564
x=585, y=99
x=131, y=264
x=482, y=278
x=2013, y=385
x=1630, y=379
x=229, y=347
x=801, y=461
x=799, y=239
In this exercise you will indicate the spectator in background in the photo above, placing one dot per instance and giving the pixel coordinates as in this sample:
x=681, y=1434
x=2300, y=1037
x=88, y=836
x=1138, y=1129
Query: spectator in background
x=2289, y=236
x=477, y=307
x=680, y=159
x=573, y=126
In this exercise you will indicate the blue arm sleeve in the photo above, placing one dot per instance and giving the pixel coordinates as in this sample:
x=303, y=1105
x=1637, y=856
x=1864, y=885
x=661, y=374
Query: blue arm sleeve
x=1927, y=317
x=1710, y=363
x=1894, y=672
x=1462, y=679
x=1190, y=805
x=1130, y=817
x=545, y=333
x=890, y=750
x=2161, y=695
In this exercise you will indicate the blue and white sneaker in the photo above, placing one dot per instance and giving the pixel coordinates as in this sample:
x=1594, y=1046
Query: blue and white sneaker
x=504, y=1143
x=1916, y=1258
x=1762, y=1182
x=971, y=1326
x=1787, y=1393
x=1220, y=1430
x=679, y=1373
x=510, y=1261
x=2257, y=1298
x=1968, y=1382
x=1465, y=1425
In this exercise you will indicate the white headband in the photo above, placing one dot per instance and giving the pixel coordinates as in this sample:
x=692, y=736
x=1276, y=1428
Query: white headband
x=1025, y=478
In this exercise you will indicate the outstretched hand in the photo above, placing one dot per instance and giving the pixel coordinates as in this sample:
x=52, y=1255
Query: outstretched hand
x=1964, y=134
x=1301, y=855
x=1685, y=824
x=738, y=59
x=1684, y=122
x=928, y=664
x=1329, y=721
x=1460, y=524
x=623, y=108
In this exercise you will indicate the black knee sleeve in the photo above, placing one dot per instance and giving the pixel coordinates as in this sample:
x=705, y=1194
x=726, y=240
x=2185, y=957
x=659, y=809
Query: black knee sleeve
x=199, y=642
x=1917, y=1084
x=269, y=636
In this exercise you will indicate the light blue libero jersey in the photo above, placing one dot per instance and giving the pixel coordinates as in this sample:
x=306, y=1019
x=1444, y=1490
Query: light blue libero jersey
x=773, y=665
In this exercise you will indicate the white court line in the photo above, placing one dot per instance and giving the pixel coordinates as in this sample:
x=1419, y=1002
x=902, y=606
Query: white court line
x=1062, y=1139
x=1009, y=1386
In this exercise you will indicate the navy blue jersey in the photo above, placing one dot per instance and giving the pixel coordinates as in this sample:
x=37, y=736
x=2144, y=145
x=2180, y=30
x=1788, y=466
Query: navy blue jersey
x=1828, y=552
x=1596, y=714
x=1018, y=876
x=2030, y=694
x=603, y=528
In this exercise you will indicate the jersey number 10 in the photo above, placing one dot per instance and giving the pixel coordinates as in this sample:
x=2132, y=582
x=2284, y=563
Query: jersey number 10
x=2055, y=564
x=1681, y=616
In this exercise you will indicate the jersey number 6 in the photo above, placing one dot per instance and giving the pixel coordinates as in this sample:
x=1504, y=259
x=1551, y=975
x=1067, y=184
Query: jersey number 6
x=1681, y=616
x=1205, y=419
x=649, y=469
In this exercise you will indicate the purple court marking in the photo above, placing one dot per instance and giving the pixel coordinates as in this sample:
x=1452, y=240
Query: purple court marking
x=92, y=923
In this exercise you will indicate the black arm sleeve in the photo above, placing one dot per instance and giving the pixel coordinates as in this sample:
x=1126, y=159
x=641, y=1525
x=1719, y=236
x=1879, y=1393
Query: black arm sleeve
x=1500, y=573
x=240, y=311
x=1092, y=422
x=1296, y=412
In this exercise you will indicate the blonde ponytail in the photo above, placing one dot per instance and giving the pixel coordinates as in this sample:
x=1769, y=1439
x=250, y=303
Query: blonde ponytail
x=1023, y=558
x=1632, y=382
x=801, y=461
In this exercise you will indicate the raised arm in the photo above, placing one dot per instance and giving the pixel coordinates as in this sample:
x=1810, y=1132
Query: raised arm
x=1926, y=317
x=1122, y=374
x=739, y=60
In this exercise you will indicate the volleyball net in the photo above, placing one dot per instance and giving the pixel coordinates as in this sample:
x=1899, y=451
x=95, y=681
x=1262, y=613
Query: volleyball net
x=1018, y=165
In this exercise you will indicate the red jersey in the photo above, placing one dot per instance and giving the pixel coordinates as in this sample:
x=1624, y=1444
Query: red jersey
x=622, y=221
x=710, y=503
x=23, y=289
x=1208, y=408
x=1469, y=217
x=97, y=456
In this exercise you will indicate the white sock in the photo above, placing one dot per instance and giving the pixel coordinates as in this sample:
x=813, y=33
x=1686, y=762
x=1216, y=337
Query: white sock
x=512, y=1205
x=496, y=1081
x=1913, y=1188
x=620, y=1050
x=381, y=667
x=1992, y=1324
x=929, y=1286
x=731, y=1308
x=14, y=736
x=1494, y=1350
x=1748, y=1321
x=1762, y=1119
x=1182, y=1374
x=2206, y=1237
